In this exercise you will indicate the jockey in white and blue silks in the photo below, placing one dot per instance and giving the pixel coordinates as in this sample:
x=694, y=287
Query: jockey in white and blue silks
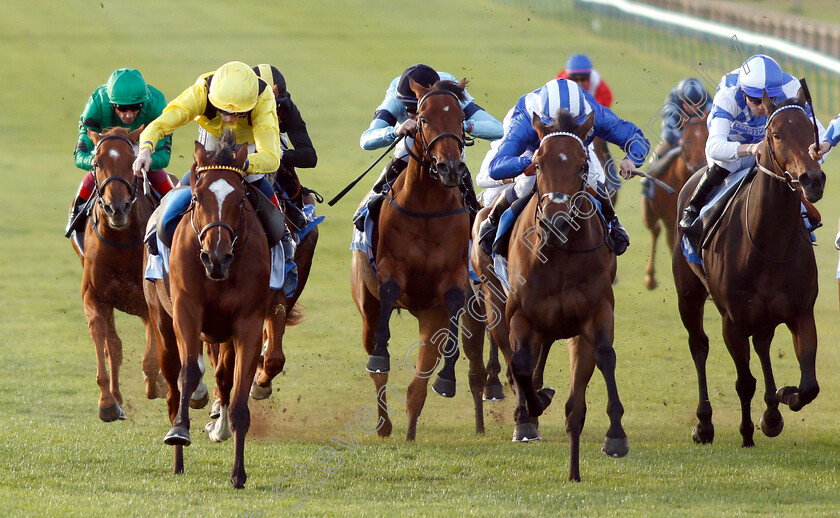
x=511, y=156
x=737, y=124
x=395, y=117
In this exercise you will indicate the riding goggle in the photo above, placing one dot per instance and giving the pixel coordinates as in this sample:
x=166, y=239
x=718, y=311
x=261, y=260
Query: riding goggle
x=754, y=100
x=238, y=114
x=128, y=107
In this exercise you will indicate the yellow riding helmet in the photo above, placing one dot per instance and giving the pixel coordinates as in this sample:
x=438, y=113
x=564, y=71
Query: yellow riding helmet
x=234, y=88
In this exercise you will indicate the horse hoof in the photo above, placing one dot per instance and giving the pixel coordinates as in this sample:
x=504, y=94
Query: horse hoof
x=200, y=397
x=177, y=436
x=444, y=387
x=216, y=409
x=526, y=432
x=217, y=431
x=772, y=430
x=111, y=413
x=384, y=430
x=651, y=283
x=493, y=392
x=258, y=392
x=616, y=447
x=700, y=436
x=378, y=364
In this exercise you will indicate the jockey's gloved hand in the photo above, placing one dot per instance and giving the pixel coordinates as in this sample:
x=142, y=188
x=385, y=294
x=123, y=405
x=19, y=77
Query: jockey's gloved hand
x=142, y=162
x=407, y=127
x=817, y=154
x=627, y=168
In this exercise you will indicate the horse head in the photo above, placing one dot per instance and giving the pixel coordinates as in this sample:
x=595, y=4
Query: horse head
x=440, y=130
x=217, y=210
x=788, y=134
x=562, y=167
x=115, y=182
x=694, y=137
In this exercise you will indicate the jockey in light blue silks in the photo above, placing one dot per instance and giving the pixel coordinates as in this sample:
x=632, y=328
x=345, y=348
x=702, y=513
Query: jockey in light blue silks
x=509, y=157
x=737, y=124
x=396, y=116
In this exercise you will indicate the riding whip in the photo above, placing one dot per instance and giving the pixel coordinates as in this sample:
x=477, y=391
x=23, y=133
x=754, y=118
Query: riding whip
x=813, y=115
x=354, y=182
x=656, y=181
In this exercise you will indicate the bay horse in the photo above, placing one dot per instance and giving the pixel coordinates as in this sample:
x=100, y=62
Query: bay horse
x=564, y=288
x=421, y=252
x=663, y=206
x=760, y=270
x=112, y=265
x=219, y=288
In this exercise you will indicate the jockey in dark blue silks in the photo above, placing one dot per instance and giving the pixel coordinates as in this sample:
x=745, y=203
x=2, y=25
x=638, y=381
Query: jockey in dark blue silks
x=689, y=98
x=737, y=124
x=396, y=116
x=510, y=157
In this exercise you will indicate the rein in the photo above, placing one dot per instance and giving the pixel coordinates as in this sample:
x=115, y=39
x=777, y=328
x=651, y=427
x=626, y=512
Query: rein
x=785, y=177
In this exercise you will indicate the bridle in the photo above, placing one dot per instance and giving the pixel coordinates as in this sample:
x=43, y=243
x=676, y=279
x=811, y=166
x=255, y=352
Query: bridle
x=100, y=188
x=218, y=223
x=427, y=160
x=783, y=175
x=561, y=198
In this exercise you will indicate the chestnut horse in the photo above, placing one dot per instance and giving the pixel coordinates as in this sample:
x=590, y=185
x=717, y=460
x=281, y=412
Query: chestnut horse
x=563, y=288
x=219, y=287
x=421, y=247
x=113, y=265
x=760, y=271
x=663, y=207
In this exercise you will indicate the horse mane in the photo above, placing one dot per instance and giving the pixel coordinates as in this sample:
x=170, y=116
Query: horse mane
x=225, y=152
x=114, y=130
x=564, y=121
x=451, y=86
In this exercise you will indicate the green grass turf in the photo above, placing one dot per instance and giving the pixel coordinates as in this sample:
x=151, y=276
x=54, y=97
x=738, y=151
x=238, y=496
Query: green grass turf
x=338, y=57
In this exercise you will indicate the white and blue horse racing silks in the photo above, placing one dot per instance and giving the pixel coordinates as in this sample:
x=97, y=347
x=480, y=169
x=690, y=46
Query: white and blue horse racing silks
x=512, y=154
x=731, y=123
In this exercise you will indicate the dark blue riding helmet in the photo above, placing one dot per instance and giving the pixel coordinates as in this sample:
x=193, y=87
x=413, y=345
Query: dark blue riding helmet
x=692, y=92
x=423, y=74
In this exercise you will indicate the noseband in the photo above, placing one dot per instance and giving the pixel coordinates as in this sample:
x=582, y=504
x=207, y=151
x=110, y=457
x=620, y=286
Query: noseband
x=427, y=160
x=100, y=188
x=784, y=176
x=218, y=223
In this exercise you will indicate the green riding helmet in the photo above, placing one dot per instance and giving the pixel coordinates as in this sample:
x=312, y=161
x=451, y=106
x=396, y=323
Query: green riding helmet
x=127, y=86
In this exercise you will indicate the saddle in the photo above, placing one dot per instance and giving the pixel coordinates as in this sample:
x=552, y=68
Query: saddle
x=707, y=223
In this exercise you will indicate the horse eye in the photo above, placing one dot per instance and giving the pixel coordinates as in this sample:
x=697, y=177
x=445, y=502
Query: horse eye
x=776, y=135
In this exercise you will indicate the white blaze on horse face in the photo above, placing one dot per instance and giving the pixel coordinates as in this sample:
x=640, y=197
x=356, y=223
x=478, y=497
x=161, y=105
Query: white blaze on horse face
x=446, y=108
x=114, y=154
x=563, y=157
x=221, y=189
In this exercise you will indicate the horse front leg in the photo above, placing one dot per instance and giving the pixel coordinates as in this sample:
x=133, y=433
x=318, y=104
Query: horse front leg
x=100, y=319
x=493, y=390
x=771, y=421
x=599, y=332
x=651, y=221
x=738, y=344
x=247, y=351
x=154, y=380
x=187, y=330
x=804, y=333
x=581, y=367
x=524, y=341
x=691, y=298
x=453, y=300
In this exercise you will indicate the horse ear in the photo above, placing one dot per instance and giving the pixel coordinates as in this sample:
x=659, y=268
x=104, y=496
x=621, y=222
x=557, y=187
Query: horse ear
x=276, y=91
x=241, y=156
x=418, y=89
x=801, y=98
x=538, y=125
x=134, y=136
x=769, y=105
x=94, y=136
x=584, y=129
x=200, y=153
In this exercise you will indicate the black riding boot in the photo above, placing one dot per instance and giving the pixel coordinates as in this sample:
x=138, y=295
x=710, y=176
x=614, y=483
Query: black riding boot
x=487, y=231
x=619, y=239
x=76, y=221
x=294, y=215
x=713, y=177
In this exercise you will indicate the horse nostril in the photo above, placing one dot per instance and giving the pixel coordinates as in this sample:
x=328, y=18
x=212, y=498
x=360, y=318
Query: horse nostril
x=226, y=261
x=804, y=180
x=462, y=169
x=109, y=210
x=205, y=260
x=126, y=208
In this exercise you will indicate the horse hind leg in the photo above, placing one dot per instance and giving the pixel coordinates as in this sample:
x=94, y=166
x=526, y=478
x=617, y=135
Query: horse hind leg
x=155, y=383
x=379, y=360
x=246, y=351
x=200, y=396
x=771, y=422
x=433, y=330
x=454, y=300
x=370, y=309
x=274, y=359
x=472, y=335
x=581, y=367
x=219, y=430
x=652, y=223
x=739, y=348
x=493, y=390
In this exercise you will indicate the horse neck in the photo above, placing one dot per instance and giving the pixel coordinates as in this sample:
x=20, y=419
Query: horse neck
x=774, y=213
x=422, y=192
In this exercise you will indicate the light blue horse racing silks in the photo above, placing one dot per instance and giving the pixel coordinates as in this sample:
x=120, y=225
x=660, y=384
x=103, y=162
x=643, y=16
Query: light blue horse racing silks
x=362, y=241
x=729, y=185
x=283, y=273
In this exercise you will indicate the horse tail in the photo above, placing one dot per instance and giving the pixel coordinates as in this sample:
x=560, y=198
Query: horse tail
x=295, y=315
